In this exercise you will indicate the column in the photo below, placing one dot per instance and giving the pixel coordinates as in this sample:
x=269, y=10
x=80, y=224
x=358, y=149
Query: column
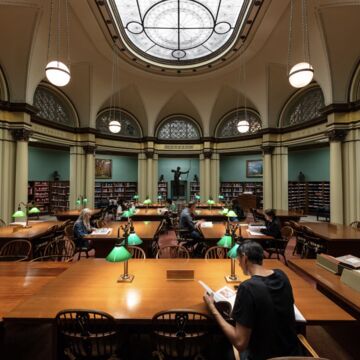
x=77, y=174
x=202, y=176
x=336, y=176
x=21, y=165
x=141, y=176
x=207, y=175
x=149, y=175
x=267, y=177
x=90, y=174
x=280, y=178
x=215, y=176
x=155, y=175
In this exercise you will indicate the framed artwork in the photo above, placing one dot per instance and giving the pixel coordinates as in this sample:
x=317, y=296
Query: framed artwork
x=103, y=168
x=254, y=168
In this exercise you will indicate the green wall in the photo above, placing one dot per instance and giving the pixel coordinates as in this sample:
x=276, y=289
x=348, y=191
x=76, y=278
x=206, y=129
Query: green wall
x=165, y=166
x=43, y=162
x=124, y=168
x=233, y=168
x=314, y=163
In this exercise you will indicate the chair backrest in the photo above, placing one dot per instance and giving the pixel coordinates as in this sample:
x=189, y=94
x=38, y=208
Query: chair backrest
x=62, y=258
x=100, y=223
x=216, y=252
x=61, y=247
x=88, y=334
x=173, y=252
x=16, y=248
x=307, y=230
x=180, y=334
x=287, y=232
x=137, y=252
x=2, y=223
x=69, y=231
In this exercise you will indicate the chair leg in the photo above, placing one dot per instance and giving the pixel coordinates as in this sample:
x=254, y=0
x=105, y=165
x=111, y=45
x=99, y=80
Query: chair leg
x=79, y=256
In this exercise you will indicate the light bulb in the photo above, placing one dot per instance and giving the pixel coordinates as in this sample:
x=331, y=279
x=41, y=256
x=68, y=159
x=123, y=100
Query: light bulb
x=243, y=126
x=57, y=73
x=301, y=75
x=114, y=126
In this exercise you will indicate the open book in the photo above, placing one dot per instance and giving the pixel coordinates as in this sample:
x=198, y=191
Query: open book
x=226, y=294
x=101, y=231
x=256, y=229
x=206, y=224
x=349, y=260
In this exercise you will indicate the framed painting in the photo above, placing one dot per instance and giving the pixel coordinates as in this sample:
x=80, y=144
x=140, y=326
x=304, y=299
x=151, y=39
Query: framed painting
x=103, y=168
x=254, y=168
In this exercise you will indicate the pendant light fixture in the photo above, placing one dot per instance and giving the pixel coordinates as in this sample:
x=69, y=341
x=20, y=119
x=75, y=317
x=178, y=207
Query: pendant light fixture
x=243, y=124
x=301, y=73
x=58, y=72
x=114, y=125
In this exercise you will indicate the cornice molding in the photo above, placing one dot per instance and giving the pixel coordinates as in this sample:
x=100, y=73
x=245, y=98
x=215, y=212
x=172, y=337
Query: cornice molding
x=340, y=107
x=21, y=134
x=18, y=107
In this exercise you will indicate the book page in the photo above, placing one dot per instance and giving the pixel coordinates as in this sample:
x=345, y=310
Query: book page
x=223, y=294
x=206, y=224
x=298, y=315
x=251, y=232
x=101, y=231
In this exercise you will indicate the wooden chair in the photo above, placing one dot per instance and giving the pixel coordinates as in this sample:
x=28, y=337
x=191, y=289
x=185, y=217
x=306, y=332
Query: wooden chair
x=137, y=252
x=2, y=223
x=87, y=334
x=100, y=223
x=61, y=258
x=40, y=243
x=355, y=224
x=180, y=334
x=216, y=252
x=155, y=243
x=69, y=234
x=59, y=248
x=16, y=250
x=172, y=252
x=298, y=232
x=313, y=245
x=279, y=245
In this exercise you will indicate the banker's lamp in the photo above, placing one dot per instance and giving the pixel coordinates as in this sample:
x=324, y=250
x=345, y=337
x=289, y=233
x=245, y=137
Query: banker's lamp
x=133, y=239
x=211, y=202
x=221, y=197
x=82, y=200
x=231, y=214
x=21, y=214
x=147, y=202
x=225, y=211
x=227, y=241
x=127, y=214
x=120, y=253
x=197, y=198
x=136, y=197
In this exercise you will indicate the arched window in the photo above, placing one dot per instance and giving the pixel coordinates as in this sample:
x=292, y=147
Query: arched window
x=54, y=106
x=303, y=107
x=178, y=128
x=229, y=125
x=129, y=126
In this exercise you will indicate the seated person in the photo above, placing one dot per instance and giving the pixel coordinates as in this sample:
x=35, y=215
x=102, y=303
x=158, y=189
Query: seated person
x=238, y=210
x=121, y=207
x=263, y=311
x=187, y=223
x=272, y=224
x=171, y=206
x=83, y=227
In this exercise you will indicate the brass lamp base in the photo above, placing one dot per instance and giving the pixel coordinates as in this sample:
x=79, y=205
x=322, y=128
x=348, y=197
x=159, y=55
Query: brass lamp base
x=126, y=278
x=232, y=279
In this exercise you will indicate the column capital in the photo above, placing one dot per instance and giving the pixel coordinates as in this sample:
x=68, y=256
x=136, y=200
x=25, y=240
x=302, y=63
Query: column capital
x=208, y=153
x=149, y=153
x=21, y=134
x=336, y=135
x=267, y=149
x=89, y=149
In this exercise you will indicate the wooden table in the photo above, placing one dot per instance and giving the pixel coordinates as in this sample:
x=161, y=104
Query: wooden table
x=151, y=206
x=244, y=230
x=339, y=239
x=103, y=244
x=18, y=281
x=74, y=214
x=148, y=214
x=91, y=284
x=284, y=215
x=329, y=284
x=207, y=206
x=210, y=215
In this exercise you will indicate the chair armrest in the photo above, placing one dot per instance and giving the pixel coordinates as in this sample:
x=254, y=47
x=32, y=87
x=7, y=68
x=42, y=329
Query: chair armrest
x=307, y=346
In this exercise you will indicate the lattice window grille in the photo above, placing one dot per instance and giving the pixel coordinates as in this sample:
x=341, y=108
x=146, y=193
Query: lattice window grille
x=305, y=108
x=178, y=129
x=228, y=127
x=52, y=107
x=129, y=126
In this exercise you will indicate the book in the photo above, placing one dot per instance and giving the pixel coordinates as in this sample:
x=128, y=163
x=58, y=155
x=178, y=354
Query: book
x=206, y=224
x=350, y=261
x=101, y=231
x=228, y=295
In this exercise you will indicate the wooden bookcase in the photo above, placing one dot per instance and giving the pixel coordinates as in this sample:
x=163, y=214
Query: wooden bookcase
x=104, y=191
x=232, y=190
x=194, y=190
x=59, y=195
x=163, y=189
x=39, y=193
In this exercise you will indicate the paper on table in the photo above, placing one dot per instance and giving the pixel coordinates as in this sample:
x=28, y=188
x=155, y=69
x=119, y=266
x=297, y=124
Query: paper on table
x=101, y=231
x=298, y=315
x=206, y=224
x=251, y=232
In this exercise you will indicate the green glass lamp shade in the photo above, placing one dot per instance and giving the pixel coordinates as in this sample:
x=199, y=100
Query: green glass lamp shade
x=225, y=211
x=127, y=213
x=159, y=197
x=221, y=197
x=18, y=214
x=118, y=254
x=225, y=241
x=85, y=200
x=231, y=213
x=232, y=253
x=211, y=202
x=132, y=211
x=34, y=210
x=135, y=197
x=133, y=239
x=197, y=197
x=147, y=202
x=78, y=202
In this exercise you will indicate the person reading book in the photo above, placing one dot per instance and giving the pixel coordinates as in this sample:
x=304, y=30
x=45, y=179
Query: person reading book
x=263, y=310
x=83, y=227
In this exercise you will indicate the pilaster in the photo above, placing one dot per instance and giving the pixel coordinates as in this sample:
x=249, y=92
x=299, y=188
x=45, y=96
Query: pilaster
x=267, y=177
x=280, y=178
x=77, y=174
x=90, y=174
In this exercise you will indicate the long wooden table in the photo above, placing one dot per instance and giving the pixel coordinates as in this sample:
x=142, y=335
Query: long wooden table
x=209, y=215
x=74, y=214
x=284, y=215
x=148, y=214
x=103, y=244
x=19, y=281
x=339, y=239
x=329, y=284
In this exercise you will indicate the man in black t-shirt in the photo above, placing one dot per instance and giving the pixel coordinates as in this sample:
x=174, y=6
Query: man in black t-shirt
x=263, y=310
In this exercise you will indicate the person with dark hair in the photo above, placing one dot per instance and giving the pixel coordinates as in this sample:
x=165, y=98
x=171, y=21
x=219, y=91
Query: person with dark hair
x=171, y=206
x=237, y=209
x=272, y=223
x=263, y=310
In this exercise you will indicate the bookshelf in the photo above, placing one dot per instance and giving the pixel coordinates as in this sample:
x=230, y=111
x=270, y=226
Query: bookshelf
x=231, y=190
x=59, y=195
x=309, y=196
x=38, y=192
x=163, y=189
x=194, y=189
x=104, y=191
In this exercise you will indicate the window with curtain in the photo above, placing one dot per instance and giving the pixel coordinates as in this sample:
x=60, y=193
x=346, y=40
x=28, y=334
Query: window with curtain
x=54, y=106
x=129, y=125
x=229, y=124
x=178, y=128
x=304, y=107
